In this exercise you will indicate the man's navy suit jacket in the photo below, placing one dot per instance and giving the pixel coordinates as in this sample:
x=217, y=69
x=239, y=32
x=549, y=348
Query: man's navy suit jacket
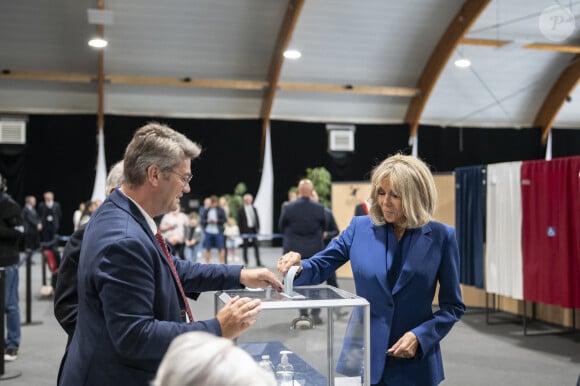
x=129, y=305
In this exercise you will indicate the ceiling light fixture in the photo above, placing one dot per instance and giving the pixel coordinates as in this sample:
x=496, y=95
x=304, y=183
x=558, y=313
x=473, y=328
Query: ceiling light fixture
x=462, y=63
x=292, y=54
x=98, y=43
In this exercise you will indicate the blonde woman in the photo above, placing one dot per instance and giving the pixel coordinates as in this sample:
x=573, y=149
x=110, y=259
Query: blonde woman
x=398, y=256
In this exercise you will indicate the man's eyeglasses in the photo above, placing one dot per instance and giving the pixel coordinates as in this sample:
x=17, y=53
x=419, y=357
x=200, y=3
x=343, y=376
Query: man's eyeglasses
x=184, y=178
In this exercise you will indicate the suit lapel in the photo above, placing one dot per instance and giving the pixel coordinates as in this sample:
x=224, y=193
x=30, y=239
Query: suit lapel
x=415, y=258
x=377, y=250
x=126, y=204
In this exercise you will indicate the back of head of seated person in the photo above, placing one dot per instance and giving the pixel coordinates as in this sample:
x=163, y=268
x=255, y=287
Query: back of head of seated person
x=199, y=358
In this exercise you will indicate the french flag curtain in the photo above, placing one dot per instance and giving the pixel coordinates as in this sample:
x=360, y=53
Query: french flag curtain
x=503, y=235
x=551, y=231
x=470, y=222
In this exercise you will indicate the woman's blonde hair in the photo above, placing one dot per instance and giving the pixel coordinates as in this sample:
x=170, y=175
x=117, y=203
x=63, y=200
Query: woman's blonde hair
x=411, y=179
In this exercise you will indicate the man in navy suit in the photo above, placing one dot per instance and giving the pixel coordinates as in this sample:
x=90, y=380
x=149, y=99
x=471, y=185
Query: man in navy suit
x=130, y=290
x=302, y=224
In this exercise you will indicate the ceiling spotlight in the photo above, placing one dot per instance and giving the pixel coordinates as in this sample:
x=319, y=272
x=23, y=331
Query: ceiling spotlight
x=292, y=54
x=462, y=63
x=98, y=43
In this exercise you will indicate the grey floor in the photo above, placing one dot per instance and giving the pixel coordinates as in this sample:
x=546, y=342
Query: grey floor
x=475, y=353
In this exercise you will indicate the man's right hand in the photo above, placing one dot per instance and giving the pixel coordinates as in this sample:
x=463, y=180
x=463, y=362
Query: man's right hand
x=238, y=315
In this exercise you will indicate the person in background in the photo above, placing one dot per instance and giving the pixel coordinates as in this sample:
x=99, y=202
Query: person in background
x=302, y=224
x=224, y=204
x=212, y=222
x=198, y=358
x=65, y=292
x=11, y=233
x=292, y=196
x=232, y=235
x=78, y=213
x=50, y=215
x=249, y=224
x=173, y=226
x=193, y=238
x=363, y=208
x=399, y=257
x=131, y=301
x=205, y=207
x=90, y=207
x=32, y=224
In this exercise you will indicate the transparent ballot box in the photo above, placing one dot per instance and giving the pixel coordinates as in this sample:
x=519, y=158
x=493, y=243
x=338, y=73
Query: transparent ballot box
x=331, y=351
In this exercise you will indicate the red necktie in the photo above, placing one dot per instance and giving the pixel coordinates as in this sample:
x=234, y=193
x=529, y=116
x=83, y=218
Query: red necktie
x=175, y=275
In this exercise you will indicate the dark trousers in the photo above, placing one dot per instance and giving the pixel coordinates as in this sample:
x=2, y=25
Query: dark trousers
x=247, y=241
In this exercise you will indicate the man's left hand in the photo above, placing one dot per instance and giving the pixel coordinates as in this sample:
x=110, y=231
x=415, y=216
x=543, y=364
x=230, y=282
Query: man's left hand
x=259, y=278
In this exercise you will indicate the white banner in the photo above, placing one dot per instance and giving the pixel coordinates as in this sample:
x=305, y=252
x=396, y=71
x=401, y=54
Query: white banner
x=264, y=201
x=101, y=170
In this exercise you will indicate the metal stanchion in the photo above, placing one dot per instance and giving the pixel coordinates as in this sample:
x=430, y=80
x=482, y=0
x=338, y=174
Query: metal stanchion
x=29, y=321
x=4, y=375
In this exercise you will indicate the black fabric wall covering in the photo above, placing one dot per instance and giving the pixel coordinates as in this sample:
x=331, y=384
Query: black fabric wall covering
x=61, y=151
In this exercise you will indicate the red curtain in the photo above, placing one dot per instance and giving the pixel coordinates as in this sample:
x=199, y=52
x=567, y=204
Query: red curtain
x=551, y=231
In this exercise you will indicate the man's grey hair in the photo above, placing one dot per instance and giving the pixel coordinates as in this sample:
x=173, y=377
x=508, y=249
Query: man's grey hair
x=156, y=144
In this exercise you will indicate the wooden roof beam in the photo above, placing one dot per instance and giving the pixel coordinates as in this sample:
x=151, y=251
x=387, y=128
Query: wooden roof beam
x=456, y=30
x=284, y=35
x=554, y=100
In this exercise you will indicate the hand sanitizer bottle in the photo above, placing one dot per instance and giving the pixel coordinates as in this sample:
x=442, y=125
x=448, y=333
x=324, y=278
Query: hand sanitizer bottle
x=266, y=364
x=285, y=370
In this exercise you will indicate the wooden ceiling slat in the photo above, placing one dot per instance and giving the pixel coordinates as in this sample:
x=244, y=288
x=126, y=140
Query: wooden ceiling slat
x=350, y=89
x=554, y=100
x=460, y=24
x=232, y=84
x=187, y=82
x=48, y=76
x=531, y=46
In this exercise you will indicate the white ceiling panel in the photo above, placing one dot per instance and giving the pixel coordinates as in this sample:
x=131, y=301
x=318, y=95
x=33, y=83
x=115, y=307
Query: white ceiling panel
x=361, y=43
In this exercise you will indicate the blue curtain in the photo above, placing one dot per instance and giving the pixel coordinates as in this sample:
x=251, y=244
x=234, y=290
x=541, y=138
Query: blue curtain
x=470, y=222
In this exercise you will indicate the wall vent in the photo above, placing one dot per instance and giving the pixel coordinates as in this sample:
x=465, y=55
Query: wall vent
x=13, y=131
x=340, y=137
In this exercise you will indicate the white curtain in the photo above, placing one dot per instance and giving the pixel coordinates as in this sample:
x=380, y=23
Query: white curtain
x=503, y=256
x=414, y=141
x=264, y=201
x=101, y=170
x=549, y=147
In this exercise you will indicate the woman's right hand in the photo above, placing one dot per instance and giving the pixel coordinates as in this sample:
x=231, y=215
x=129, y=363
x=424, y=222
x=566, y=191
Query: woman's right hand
x=288, y=260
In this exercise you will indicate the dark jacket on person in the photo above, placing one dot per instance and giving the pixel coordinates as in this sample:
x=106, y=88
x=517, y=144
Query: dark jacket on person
x=302, y=222
x=129, y=305
x=31, y=220
x=66, y=299
x=221, y=218
x=11, y=230
x=243, y=221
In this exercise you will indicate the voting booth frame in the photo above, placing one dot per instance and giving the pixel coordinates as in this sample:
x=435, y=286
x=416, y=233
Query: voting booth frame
x=346, y=195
